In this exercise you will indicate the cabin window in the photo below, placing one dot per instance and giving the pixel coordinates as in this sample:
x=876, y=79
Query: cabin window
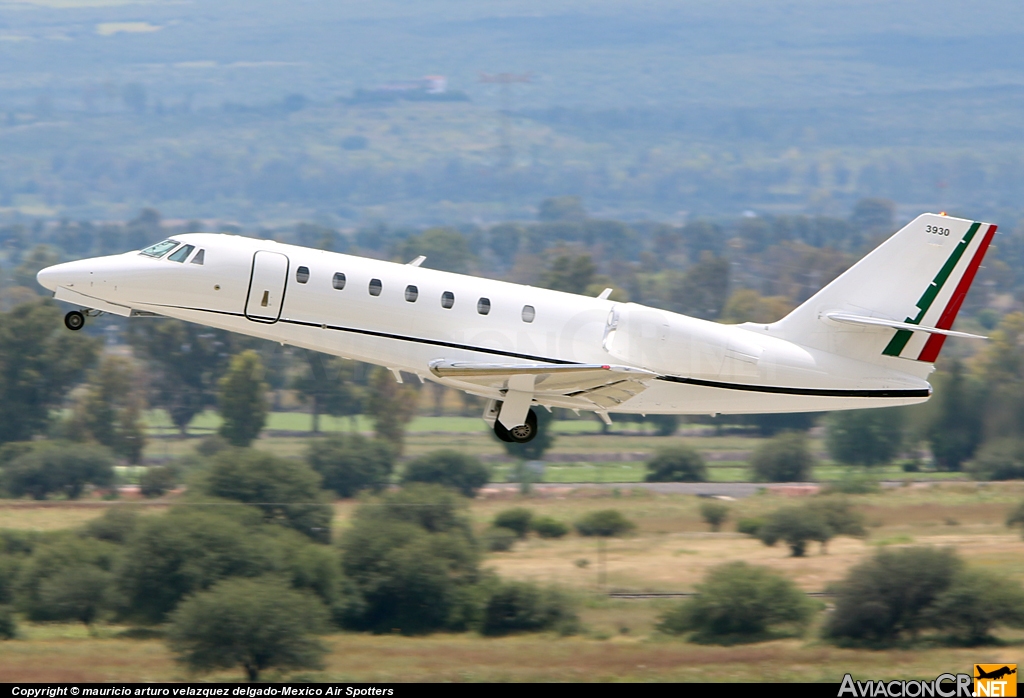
x=483, y=306
x=302, y=274
x=338, y=281
x=182, y=254
x=375, y=287
x=411, y=293
x=529, y=313
x=200, y=258
x=447, y=299
x=160, y=249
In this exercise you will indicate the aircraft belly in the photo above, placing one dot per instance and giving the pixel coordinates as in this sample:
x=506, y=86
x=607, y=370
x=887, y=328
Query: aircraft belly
x=663, y=397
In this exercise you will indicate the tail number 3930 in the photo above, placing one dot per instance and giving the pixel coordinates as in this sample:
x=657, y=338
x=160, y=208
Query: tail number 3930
x=936, y=230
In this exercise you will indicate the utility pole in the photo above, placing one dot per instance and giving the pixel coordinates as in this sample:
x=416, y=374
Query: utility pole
x=505, y=82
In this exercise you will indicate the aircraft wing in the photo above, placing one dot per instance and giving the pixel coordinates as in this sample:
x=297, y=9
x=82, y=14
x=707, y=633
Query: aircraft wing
x=602, y=386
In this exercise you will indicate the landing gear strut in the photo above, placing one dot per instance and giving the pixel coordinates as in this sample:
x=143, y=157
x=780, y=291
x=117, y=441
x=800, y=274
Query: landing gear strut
x=74, y=321
x=520, y=434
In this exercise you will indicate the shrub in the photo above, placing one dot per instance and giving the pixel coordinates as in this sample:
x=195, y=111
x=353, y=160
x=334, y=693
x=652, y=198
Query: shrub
x=414, y=561
x=890, y=595
x=785, y=458
x=795, y=526
x=975, y=603
x=8, y=625
x=169, y=557
x=115, y=526
x=1016, y=517
x=518, y=607
x=499, y=539
x=77, y=592
x=865, y=437
x=677, y=464
x=10, y=566
x=58, y=469
x=839, y=517
x=714, y=514
x=855, y=483
x=212, y=445
x=66, y=577
x=517, y=520
x=157, y=480
x=253, y=623
x=750, y=526
x=449, y=468
x=351, y=463
x=1000, y=459
x=738, y=602
x=547, y=527
x=606, y=522
x=286, y=492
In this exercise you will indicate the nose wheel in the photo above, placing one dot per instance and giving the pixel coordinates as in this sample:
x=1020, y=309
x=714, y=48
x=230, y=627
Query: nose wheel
x=520, y=434
x=74, y=321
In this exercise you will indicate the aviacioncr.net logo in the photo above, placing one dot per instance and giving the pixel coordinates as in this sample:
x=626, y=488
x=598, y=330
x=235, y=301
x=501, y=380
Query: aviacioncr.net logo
x=942, y=686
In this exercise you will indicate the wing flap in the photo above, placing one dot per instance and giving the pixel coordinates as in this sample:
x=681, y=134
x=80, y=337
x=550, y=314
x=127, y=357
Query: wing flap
x=603, y=385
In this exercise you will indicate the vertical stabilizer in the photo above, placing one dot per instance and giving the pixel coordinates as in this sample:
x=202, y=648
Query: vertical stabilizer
x=918, y=278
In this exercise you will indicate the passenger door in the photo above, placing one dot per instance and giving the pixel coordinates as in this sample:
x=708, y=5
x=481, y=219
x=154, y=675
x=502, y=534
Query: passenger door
x=266, y=287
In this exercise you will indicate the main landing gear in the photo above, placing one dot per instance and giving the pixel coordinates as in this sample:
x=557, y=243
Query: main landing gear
x=75, y=320
x=520, y=434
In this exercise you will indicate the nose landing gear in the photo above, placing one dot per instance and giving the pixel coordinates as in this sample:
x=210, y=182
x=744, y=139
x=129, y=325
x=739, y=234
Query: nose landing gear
x=75, y=320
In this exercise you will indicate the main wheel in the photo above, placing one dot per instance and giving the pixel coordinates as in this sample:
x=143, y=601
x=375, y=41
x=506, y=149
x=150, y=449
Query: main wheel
x=520, y=434
x=74, y=320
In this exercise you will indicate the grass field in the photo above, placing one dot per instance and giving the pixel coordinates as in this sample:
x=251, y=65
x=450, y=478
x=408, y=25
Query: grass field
x=581, y=452
x=66, y=653
x=670, y=551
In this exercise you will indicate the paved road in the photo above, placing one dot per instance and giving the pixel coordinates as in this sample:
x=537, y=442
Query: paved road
x=736, y=490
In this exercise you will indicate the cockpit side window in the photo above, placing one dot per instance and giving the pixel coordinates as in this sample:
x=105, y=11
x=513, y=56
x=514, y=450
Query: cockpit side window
x=182, y=254
x=160, y=249
x=200, y=257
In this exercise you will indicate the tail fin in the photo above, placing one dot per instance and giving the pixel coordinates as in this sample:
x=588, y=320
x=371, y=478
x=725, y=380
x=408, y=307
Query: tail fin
x=901, y=299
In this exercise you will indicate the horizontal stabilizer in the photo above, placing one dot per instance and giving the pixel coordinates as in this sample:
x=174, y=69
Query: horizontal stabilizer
x=848, y=319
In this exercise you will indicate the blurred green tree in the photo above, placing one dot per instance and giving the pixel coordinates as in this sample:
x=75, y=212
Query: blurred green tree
x=351, y=463
x=242, y=399
x=39, y=361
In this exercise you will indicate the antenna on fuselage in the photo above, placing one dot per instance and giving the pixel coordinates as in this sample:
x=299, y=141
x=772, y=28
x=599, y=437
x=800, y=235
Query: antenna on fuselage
x=418, y=261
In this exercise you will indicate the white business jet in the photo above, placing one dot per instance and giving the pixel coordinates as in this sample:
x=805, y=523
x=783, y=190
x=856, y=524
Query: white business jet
x=868, y=339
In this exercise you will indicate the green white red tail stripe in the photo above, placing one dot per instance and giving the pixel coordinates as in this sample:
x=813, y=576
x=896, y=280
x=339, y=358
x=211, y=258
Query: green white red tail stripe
x=954, y=263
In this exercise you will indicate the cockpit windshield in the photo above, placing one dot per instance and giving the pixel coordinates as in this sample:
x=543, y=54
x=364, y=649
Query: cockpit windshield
x=160, y=249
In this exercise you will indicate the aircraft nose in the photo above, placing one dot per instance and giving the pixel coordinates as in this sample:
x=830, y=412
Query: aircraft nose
x=59, y=275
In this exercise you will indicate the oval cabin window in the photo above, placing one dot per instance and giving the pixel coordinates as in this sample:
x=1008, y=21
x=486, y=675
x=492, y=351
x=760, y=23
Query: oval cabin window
x=338, y=281
x=302, y=274
x=375, y=287
x=529, y=313
x=411, y=293
x=447, y=299
x=483, y=306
